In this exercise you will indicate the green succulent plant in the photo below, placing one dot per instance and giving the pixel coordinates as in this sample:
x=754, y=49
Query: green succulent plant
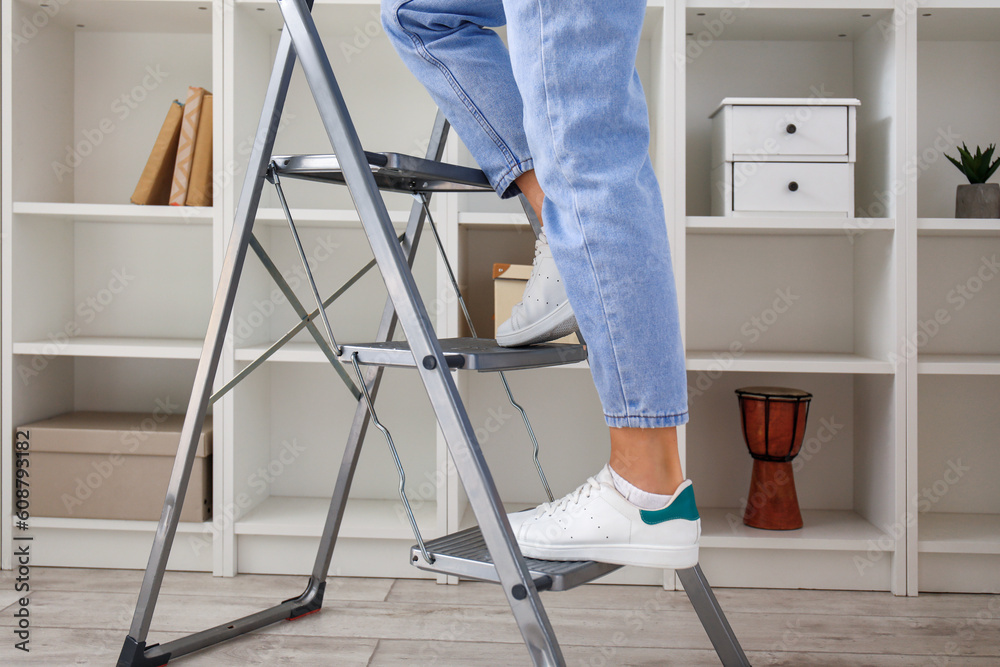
x=977, y=168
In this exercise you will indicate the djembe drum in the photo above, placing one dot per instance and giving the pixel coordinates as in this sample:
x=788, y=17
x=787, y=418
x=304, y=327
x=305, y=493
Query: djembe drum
x=774, y=422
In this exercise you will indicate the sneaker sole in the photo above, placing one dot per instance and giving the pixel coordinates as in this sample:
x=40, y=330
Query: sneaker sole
x=671, y=558
x=560, y=322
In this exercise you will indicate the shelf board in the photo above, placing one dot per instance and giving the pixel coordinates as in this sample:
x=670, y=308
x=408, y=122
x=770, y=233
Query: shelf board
x=797, y=4
x=132, y=348
x=963, y=21
x=474, y=219
x=290, y=353
x=697, y=360
x=309, y=353
x=291, y=516
x=128, y=213
x=57, y=523
x=823, y=530
x=376, y=3
x=787, y=362
x=847, y=227
x=959, y=364
x=958, y=227
x=955, y=533
x=156, y=16
x=315, y=217
x=774, y=20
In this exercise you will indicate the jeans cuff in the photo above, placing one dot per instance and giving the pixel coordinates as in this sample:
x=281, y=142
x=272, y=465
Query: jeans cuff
x=646, y=421
x=505, y=185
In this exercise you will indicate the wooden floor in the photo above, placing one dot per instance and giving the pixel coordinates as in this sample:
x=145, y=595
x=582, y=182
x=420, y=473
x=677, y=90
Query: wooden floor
x=80, y=617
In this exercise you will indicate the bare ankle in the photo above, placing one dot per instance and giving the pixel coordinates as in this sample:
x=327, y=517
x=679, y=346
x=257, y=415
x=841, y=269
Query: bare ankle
x=647, y=458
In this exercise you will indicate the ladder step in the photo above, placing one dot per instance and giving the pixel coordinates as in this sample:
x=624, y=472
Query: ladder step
x=464, y=554
x=393, y=171
x=480, y=354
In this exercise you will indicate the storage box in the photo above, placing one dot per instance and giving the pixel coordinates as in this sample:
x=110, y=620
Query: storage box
x=113, y=465
x=784, y=156
x=508, y=288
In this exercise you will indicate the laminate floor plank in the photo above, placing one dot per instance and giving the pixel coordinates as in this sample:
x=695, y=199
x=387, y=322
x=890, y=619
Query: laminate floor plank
x=394, y=653
x=664, y=629
x=174, y=613
x=586, y=627
x=732, y=600
x=59, y=647
x=277, y=587
x=81, y=617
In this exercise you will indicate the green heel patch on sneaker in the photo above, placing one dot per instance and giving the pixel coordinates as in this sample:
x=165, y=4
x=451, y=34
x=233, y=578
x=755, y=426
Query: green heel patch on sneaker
x=683, y=507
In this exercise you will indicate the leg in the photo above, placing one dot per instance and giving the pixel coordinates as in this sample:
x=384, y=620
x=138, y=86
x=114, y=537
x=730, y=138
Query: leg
x=647, y=458
x=134, y=652
x=585, y=121
x=528, y=184
x=466, y=69
x=587, y=125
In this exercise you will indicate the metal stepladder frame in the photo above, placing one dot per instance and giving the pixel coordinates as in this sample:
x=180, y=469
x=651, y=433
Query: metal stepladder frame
x=434, y=360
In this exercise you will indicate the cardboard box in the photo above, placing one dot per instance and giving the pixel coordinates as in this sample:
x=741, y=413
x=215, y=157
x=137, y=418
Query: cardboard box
x=508, y=288
x=113, y=465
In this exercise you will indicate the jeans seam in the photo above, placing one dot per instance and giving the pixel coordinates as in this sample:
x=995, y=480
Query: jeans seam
x=505, y=179
x=673, y=414
x=576, y=210
x=460, y=92
x=627, y=421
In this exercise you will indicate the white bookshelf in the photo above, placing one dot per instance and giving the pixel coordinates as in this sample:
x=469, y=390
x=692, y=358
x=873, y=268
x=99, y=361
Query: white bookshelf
x=104, y=303
x=861, y=287
x=953, y=314
x=810, y=302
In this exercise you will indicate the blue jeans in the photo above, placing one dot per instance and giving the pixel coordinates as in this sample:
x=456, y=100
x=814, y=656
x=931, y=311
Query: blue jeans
x=566, y=101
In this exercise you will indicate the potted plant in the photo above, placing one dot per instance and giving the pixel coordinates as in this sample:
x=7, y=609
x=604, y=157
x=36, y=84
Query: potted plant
x=978, y=199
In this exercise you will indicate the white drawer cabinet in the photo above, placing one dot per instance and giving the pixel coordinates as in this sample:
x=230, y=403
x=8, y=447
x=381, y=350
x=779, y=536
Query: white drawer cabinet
x=783, y=157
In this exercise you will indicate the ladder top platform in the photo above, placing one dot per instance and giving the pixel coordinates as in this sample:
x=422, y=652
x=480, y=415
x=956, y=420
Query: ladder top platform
x=392, y=171
x=480, y=354
x=465, y=554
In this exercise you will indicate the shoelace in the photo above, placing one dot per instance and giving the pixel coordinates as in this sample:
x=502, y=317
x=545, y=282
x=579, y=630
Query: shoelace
x=539, y=243
x=584, y=491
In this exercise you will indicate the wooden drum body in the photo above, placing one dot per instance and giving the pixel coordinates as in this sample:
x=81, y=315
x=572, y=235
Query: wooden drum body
x=774, y=423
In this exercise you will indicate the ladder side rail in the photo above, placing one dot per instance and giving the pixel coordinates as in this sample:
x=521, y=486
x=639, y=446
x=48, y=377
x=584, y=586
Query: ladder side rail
x=311, y=598
x=433, y=369
x=225, y=297
x=710, y=613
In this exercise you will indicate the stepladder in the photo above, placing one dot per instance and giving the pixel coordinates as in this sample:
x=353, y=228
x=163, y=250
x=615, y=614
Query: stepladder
x=487, y=552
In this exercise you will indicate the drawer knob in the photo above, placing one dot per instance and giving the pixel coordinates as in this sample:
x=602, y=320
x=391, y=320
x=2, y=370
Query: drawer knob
x=790, y=129
x=793, y=186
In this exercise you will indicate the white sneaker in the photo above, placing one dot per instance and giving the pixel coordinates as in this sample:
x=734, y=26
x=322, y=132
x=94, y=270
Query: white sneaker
x=544, y=313
x=595, y=522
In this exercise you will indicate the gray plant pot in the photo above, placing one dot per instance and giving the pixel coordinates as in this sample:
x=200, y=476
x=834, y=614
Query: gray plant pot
x=978, y=200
